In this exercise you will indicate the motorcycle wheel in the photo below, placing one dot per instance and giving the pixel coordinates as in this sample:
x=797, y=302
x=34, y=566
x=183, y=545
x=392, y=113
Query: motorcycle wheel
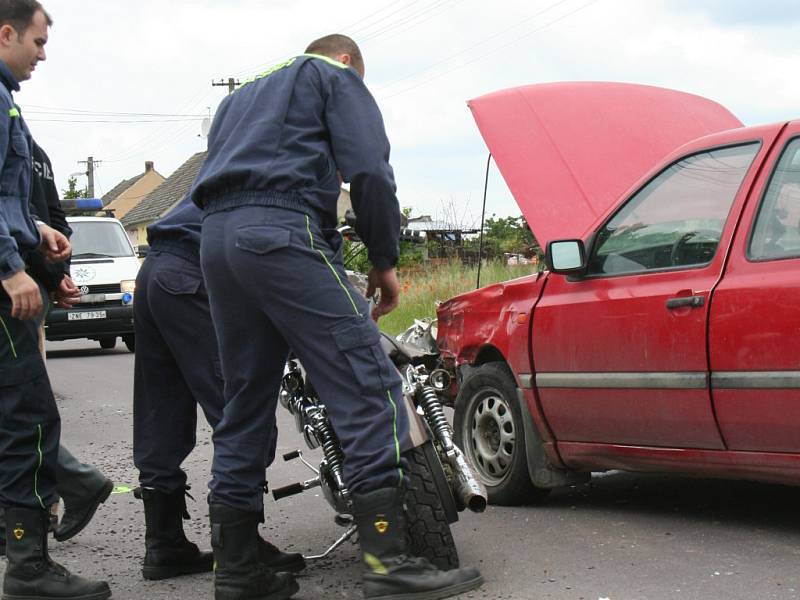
x=428, y=527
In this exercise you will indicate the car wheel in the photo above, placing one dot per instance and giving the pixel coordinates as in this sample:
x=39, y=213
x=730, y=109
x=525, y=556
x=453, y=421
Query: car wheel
x=108, y=342
x=130, y=342
x=489, y=429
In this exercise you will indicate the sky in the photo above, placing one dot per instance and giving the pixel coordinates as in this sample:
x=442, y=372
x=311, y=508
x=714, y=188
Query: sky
x=128, y=82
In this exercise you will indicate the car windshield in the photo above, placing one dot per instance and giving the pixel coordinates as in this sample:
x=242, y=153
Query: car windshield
x=97, y=239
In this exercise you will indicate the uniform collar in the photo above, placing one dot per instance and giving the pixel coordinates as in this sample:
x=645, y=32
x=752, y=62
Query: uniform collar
x=7, y=78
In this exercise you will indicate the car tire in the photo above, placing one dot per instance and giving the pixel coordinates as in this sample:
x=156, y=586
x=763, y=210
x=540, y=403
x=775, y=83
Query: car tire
x=489, y=429
x=130, y=342
x=428, y=528
x=108, y=342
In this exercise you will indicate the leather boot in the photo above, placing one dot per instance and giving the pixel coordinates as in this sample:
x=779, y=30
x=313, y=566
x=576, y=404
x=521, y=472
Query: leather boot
x=167, y=551
x=82, y=489
x=238, y=573
x=391, y=574
x=273, y=558
x=31, y=573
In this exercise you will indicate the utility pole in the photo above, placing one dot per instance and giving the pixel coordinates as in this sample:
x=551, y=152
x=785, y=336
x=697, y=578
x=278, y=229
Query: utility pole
x=231, y=83
x=90, y=165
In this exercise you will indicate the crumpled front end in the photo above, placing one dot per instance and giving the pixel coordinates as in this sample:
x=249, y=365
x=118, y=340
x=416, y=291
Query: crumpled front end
x=493, y=322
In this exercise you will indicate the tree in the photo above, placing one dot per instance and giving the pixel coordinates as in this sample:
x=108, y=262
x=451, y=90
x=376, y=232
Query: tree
x=509, y=235
x=72, y=192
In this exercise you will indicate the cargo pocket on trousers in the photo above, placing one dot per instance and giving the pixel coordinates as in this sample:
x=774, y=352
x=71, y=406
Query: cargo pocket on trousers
x=262, y=239
x=359, y=342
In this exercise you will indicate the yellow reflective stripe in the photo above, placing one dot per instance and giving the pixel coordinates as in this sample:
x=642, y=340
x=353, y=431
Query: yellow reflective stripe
x=270, y=71
x=396, y=441
x=13, y=112
x=39, y=466
x=8, y=335
x=328, y=60
x=330, y=266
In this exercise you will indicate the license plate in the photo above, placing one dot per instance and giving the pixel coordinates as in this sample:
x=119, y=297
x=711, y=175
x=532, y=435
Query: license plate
x=83, y=316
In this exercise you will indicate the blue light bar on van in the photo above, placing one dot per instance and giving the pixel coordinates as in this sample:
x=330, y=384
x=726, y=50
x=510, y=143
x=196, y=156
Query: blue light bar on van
x=82, y=204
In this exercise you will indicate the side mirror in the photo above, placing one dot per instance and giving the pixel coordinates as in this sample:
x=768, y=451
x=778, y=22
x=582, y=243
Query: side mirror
x=567, y=257
x=142, y=250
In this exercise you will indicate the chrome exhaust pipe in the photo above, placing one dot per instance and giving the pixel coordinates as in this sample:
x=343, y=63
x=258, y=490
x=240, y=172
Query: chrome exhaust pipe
x=470, y=492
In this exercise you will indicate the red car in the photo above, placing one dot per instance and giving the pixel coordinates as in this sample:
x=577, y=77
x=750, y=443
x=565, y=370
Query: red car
x=665, y=334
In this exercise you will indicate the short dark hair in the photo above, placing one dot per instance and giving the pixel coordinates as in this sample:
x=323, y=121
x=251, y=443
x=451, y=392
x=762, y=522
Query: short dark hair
x=19, y=14
x=334, y=44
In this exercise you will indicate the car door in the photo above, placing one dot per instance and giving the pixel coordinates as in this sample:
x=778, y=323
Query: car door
x=620, y=353
x=754, y=330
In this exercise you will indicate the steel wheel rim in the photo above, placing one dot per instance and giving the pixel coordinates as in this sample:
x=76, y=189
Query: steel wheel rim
x=491, y=436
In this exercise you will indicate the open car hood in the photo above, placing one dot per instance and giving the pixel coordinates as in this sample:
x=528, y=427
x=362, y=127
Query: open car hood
x=568, y=151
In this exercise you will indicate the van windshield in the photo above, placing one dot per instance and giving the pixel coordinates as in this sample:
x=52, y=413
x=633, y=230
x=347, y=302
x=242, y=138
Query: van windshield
x=97, y=239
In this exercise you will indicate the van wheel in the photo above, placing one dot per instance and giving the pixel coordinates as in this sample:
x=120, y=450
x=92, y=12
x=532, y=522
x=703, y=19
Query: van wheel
x=489, y=429
x=108, y=342
x=130, y=341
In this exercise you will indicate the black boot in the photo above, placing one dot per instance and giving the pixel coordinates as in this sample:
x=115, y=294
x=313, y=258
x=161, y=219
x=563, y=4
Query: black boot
x=392, y=574
x=273, y=558
x=31, y=573
x=167, y=551
x=78, y=512
x=82, y=488
x=239, y=574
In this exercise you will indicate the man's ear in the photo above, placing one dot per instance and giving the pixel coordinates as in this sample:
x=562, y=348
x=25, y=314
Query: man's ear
x=7, y=34
x=345, y=59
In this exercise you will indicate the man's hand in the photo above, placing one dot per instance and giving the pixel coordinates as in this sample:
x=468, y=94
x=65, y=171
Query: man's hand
x=55, y=244
x=67, y=294
x=386, y=282
x=26, y=300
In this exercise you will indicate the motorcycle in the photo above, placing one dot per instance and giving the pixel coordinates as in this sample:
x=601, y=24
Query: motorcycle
x=441, y=481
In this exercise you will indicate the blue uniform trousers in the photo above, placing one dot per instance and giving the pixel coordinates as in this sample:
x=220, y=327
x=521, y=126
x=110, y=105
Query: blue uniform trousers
x=30, y=426
x=176, y=367
x=276, y=282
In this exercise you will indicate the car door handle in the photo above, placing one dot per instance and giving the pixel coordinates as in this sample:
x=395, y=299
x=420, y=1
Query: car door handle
x=686, y=301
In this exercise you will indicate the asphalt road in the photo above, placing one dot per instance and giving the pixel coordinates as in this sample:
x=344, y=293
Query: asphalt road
x=621, y=537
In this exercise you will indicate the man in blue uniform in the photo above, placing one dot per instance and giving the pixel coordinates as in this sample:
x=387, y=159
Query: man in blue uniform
x=81, y=487
x=273, y=267
x=29, y=420
x=176, y=368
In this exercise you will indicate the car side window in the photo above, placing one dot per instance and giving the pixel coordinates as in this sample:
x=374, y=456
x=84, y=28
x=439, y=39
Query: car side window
x=776, y=233
x=677, y=218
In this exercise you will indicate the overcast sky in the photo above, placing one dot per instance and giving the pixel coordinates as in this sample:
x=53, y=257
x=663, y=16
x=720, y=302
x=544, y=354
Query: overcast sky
x=128, y=82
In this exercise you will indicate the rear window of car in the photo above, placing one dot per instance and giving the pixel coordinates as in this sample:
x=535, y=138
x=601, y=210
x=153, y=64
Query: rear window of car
x=776, y=233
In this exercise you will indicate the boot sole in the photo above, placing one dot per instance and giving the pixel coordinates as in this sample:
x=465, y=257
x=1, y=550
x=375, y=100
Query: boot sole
x=452, y=590
x=281, y=594
x=95, y=596
x=153, y=573
x=102, y=496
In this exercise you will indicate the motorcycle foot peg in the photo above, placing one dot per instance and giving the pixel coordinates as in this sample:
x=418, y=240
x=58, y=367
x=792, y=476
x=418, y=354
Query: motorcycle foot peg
x=288, y=490
x=291, y=455
x=343, y=520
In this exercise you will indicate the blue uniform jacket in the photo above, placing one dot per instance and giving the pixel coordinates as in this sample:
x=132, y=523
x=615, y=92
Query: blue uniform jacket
x=18, y=232
x=281, y=138
x=178, y=231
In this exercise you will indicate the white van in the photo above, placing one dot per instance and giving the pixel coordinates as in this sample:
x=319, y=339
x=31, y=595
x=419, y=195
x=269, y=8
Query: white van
x=104, y=268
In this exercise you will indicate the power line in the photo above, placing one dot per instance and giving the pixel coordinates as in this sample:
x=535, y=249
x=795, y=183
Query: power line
x=35, y=120
x=53, y=110
x=351, y=29
x=492, y=51
x=433, y=7
x=473, y=46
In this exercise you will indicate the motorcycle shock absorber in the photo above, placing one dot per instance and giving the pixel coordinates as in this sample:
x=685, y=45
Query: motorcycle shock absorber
x=332, y=450
x=434, y=414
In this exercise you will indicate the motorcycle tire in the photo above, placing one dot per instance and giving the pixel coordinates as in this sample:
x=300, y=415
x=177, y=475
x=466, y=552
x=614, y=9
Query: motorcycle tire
x=428, y=526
